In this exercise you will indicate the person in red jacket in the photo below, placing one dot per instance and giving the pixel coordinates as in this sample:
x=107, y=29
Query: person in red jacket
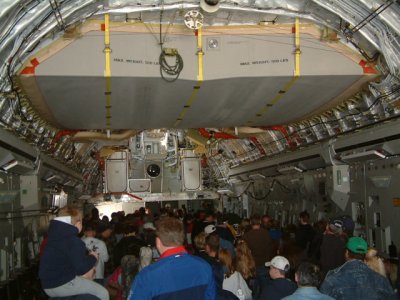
x=177, y=274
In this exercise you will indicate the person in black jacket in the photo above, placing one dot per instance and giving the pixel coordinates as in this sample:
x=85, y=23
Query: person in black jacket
x=66, y=268
x=304, y=232
x=130, y=244
x=333, y=247
x=279, y=287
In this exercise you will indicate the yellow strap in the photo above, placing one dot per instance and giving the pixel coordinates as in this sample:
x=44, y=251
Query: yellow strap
x=288, y=85
x=107, y=72
x=199, y=78
x=200, y=55
x=297, y=51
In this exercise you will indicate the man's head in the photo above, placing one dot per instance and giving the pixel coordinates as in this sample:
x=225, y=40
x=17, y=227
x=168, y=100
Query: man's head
x=266, y=221
x=170, y=233
x=210, y=217
x=304, y=217
x=278, y=267
x=104, y=230
x=130, y=229
x=255, y=221
x=114, y=216
x=335, y=227
x=95, y=213
x=308, y=275
x=356, y=248
x=89, y=230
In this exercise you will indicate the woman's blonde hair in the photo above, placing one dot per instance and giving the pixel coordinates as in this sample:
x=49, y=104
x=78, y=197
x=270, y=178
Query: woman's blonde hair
x=375, y=262
x=245, y=264
x=200, y=241
x=226, y=259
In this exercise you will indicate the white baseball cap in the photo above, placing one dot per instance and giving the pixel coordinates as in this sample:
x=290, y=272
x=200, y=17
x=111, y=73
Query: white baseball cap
x=149, y=225
x=279, y=262
x=209, y=229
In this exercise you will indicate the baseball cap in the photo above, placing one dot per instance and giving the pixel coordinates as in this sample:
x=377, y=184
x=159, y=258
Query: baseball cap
x=348, y=223
x=336, y=225
x=209, y=229
x=357, y=245
x=149, y=226
x=279, y=262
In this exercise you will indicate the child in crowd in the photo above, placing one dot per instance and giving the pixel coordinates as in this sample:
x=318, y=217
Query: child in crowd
x=66, y=269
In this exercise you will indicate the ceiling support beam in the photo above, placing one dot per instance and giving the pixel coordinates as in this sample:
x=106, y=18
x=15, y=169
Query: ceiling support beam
x=14, y=144
x=378, y=133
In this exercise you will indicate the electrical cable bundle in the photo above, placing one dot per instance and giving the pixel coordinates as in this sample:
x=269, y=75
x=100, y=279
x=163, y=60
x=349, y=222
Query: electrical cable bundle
x=173, y=70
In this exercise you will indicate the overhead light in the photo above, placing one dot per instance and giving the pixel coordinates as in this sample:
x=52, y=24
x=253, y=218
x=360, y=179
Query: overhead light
x=209, y=6
x=70, y=183
x=381, y=181
x=50, y=178
x=256, y=176
x=225, y=192
x=365, y=155
x=289, y=169
x=18, y=166
x=234, y=180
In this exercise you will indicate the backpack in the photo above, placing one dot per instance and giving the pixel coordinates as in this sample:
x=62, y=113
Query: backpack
x=238, y=286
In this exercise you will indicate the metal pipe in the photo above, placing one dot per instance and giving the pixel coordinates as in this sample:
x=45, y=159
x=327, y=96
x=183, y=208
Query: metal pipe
x=25, y=210
x=366, y=203
x=21, y=217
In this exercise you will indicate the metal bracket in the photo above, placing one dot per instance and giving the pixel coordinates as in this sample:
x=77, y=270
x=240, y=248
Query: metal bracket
x=329, y=154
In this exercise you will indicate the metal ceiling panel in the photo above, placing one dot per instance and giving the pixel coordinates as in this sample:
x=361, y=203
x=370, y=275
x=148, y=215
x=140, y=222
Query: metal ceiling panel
x=79, y=102
x=247, y=72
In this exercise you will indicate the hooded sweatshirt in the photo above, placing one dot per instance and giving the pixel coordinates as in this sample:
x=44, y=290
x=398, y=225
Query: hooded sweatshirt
x=64, y=257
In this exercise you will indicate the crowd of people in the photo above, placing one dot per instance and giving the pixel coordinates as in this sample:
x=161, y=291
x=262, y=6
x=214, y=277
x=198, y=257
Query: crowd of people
x=174, y=254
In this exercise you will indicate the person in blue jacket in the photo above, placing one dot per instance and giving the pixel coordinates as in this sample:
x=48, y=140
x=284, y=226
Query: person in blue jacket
x=308, y=277
x=354, y=279
x=66, y=268
x=177, y=274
